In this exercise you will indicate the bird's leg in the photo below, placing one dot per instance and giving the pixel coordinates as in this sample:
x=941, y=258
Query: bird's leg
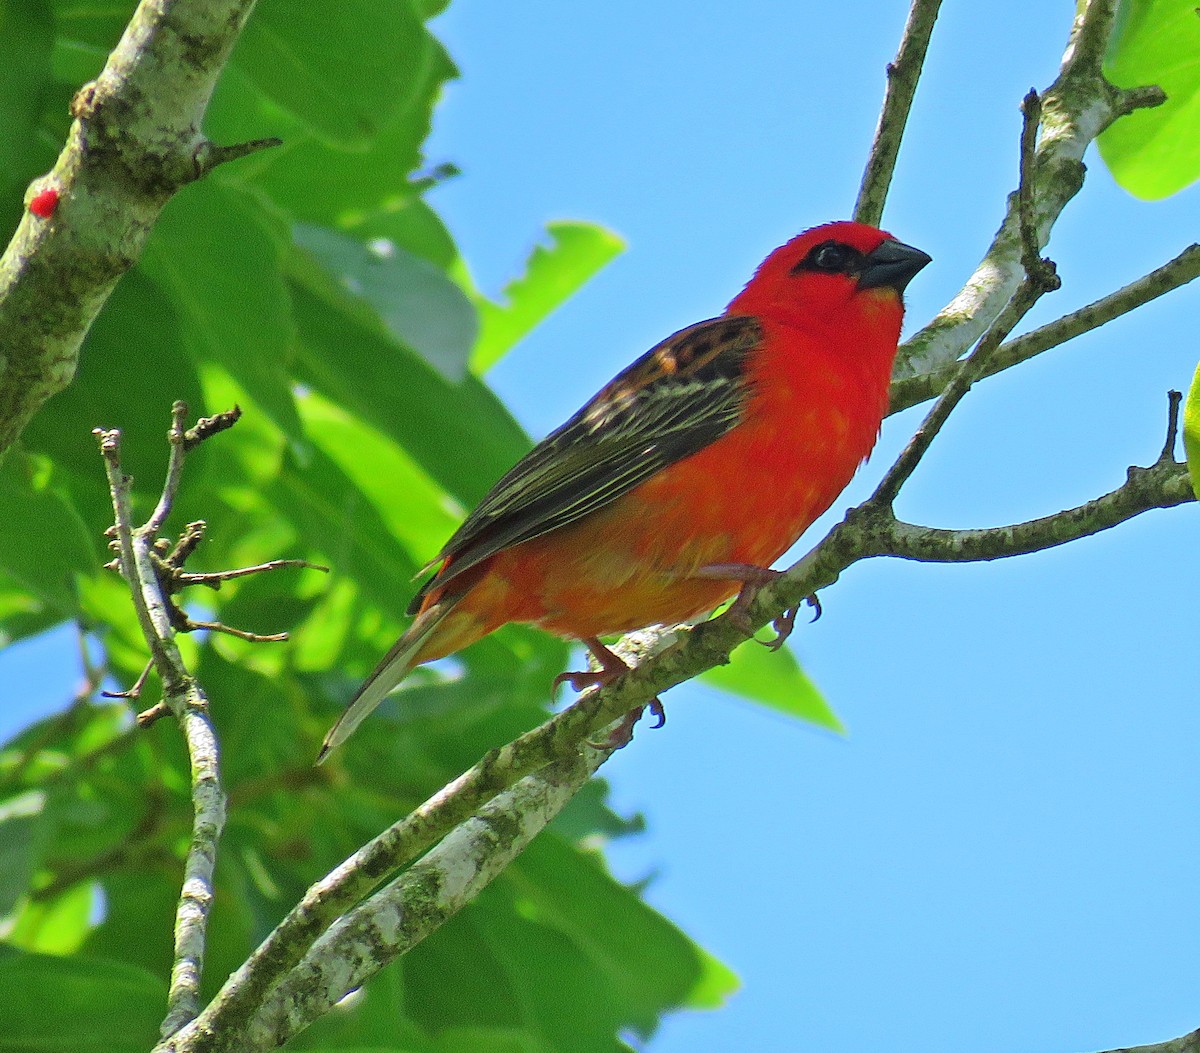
x=754, y=578
x=611, y=667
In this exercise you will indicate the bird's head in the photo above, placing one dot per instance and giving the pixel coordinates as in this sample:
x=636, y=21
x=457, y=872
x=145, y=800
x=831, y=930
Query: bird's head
x=828, y=274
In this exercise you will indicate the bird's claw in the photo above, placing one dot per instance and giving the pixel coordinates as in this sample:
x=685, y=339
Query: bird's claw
x=783, y=626
x=786, y=622
x=622, y=734
x=581, y=679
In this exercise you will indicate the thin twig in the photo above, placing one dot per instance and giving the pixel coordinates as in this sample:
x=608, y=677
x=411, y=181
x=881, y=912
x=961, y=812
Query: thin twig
x=1174, y=401
x=191, y=625
x=174, y=471
x=903, y=73
x=214, y=579
x=135, y=691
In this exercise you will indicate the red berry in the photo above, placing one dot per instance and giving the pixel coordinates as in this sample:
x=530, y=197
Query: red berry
x=44, y=204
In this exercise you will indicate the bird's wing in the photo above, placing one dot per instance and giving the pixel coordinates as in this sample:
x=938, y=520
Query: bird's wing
x=679, y=397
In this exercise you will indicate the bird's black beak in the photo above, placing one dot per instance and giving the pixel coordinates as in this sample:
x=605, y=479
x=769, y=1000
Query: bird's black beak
x=893, y=264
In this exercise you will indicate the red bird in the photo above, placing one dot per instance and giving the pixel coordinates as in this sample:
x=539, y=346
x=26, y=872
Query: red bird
x=687, y=475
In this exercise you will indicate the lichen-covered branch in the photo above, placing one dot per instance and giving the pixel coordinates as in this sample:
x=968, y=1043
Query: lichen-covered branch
x=903, y=73
x=1189, y=1043
x=429, y=893
x=135, y=141
x=1075, y=109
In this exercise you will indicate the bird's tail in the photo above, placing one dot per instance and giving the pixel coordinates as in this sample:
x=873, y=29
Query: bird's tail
x=393, y=668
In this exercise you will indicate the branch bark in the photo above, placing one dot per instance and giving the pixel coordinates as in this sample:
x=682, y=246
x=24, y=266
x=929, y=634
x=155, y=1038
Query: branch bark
x=134, y=142
x=903, y=73
x=1076, y=108
x=1172, y=275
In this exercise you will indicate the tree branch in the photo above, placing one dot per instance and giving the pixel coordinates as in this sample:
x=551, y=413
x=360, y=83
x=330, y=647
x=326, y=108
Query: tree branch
x=903, y=73
x=403, y=913
x=1076, y=108
x=134, y=142
x=1178, y=272
x=1187, y=1044
x=1040, y=278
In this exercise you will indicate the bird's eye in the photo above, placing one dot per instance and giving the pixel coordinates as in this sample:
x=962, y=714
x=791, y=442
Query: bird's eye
x=832, y=257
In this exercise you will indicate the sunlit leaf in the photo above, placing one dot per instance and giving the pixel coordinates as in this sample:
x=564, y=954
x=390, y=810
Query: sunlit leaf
x=775, y=679
x=1191, y=431
x=343, y=68
x=44, y=543
x=216, y=257
x=1155, y=152
x=553, y=274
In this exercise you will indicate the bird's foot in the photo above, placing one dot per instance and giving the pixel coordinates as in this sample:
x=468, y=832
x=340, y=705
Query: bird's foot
x=753, y=579
x=611, y=667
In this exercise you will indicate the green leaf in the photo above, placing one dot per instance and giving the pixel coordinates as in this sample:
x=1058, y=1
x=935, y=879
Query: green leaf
x=1155, y=152
x=77, y=1005
x=776, y=680
x=318, y=182
x=214, y=255
x=413, y=300
x=22, y=614
x=27, y=29
x=413, y=507
x=21, y=832
x=553, y=274
x=333, y=515
x=1191, y=431
x=59, y=926
x=342, y=68
x=44, y=543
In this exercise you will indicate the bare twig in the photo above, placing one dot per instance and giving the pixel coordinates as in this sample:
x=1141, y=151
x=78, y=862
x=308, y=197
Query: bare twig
x=191, y=625
x=214, y=579
x=136, y=690
x=186, y=700
x=902, y=76
x=207, y=427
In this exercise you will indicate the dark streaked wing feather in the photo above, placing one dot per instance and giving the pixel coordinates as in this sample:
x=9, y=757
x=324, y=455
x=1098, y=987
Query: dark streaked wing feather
x=679, y=397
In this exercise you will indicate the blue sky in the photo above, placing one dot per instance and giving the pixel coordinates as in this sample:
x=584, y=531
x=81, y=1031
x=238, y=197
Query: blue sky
x=1001, y=853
